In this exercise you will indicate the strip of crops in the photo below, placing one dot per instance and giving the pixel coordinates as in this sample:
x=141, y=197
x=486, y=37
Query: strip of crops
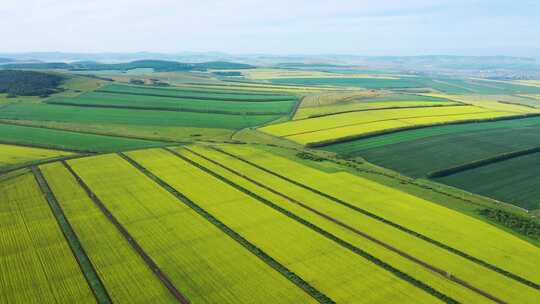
x=201, y=88
x=466, y=272
x=188, y=249
x=58, y=113
x=224, y=96
x=514, y=181
x=87, y=268
x=419, y=157
x=353, y=148
x=337, y=272
x=12, y=155
x=37, y=265
x=58, y=139
x=472, y=238
x=123, y=272
x=97, y=99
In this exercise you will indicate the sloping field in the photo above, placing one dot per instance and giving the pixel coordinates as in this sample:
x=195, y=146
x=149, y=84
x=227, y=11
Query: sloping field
x=456, y=230
x=115, y=100
x=493, y=102
x=368, y=83
x=68, y=140
x=261, y=87
x=352, y=226
x=353, y=148
x=332, y=269
x=418, y=157
x=204, y=263
x=334, y=128
x=513, y=181
x=12, y=155
x=180, y=92
x=123, y=272
x=37, y=265
x=309, y=112
x=59, y=113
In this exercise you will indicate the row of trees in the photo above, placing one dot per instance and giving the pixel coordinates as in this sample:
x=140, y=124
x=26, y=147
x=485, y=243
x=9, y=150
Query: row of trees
x=521, y=224
x=28, y=83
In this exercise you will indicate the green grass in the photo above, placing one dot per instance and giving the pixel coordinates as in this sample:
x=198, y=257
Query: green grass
x=177, y=103
x=122, y=271
x=37, y=263
x=514, y=181
x=368, y=83
x=205, y=264
x=58, y=113
x=68, y=140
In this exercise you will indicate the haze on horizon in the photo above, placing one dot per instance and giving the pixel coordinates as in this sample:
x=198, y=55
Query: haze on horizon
x=360, y=27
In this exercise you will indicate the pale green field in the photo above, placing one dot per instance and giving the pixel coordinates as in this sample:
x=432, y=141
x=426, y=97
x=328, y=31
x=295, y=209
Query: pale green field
x=37, y=265
x=204, y=263
x=12, y=155
x=123, y=272
x=335, y=271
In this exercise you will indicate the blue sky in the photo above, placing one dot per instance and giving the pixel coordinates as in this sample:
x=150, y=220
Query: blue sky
x=360, y=27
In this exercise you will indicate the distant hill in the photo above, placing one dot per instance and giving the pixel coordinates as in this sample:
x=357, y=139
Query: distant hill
x=5, y=60
x=28, y=83
x=157, y=65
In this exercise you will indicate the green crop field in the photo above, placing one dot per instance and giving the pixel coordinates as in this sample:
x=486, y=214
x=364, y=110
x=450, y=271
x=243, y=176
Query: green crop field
x=103, y=99
x=59, y=139
x=514, y=181
x=59, y=113
x=37, y=263
x=289, y=182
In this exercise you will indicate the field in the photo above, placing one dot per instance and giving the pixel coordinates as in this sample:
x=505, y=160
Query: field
x=514, y=181
x=37, y=263
x=18, y=134
x=12, y=155
x=334, y=128
x=312, y=185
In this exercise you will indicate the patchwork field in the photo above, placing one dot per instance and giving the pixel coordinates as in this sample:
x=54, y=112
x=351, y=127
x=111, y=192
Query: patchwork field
x=329, y=129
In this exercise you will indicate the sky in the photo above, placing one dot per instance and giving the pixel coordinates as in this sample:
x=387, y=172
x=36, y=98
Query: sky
x=357, y=27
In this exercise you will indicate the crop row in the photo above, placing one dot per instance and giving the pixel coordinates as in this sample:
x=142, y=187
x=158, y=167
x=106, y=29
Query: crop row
x=383, y=209
x=317, y=259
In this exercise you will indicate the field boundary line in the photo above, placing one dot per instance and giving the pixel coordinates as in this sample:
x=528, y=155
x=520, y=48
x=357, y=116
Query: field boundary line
x=445, y=274
x=390, y=223
x=214, y=99
x=19, y=166
x=134, y=244
x=358, y=251
x=199, y=90
x=297, y=105
x=162, y=109
x=482, y=162
x=267, y=259
x=85, y=264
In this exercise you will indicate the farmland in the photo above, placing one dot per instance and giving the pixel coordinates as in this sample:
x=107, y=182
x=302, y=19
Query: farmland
x=270, y=185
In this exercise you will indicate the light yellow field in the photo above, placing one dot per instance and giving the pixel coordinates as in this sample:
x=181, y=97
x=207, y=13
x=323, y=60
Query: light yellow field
x=331, y=127
x=12, y=155
x=332, y=269
x=36, y=262
x=204, y=263
x=488, y=280
x=450, y=227
x=535, y=83
x=306, y=112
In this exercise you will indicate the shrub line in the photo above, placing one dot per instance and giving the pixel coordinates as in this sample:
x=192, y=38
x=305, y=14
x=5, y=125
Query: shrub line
x=395, y=225
x=85, y=264
x=360, y=252
x=134, y=244
x=365, y=235
x=270, y=261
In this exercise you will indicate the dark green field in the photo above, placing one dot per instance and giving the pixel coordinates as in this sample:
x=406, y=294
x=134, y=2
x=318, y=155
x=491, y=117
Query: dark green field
x=514, y=181
x=59, y=113
x=101, y=99
x=67, y=140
